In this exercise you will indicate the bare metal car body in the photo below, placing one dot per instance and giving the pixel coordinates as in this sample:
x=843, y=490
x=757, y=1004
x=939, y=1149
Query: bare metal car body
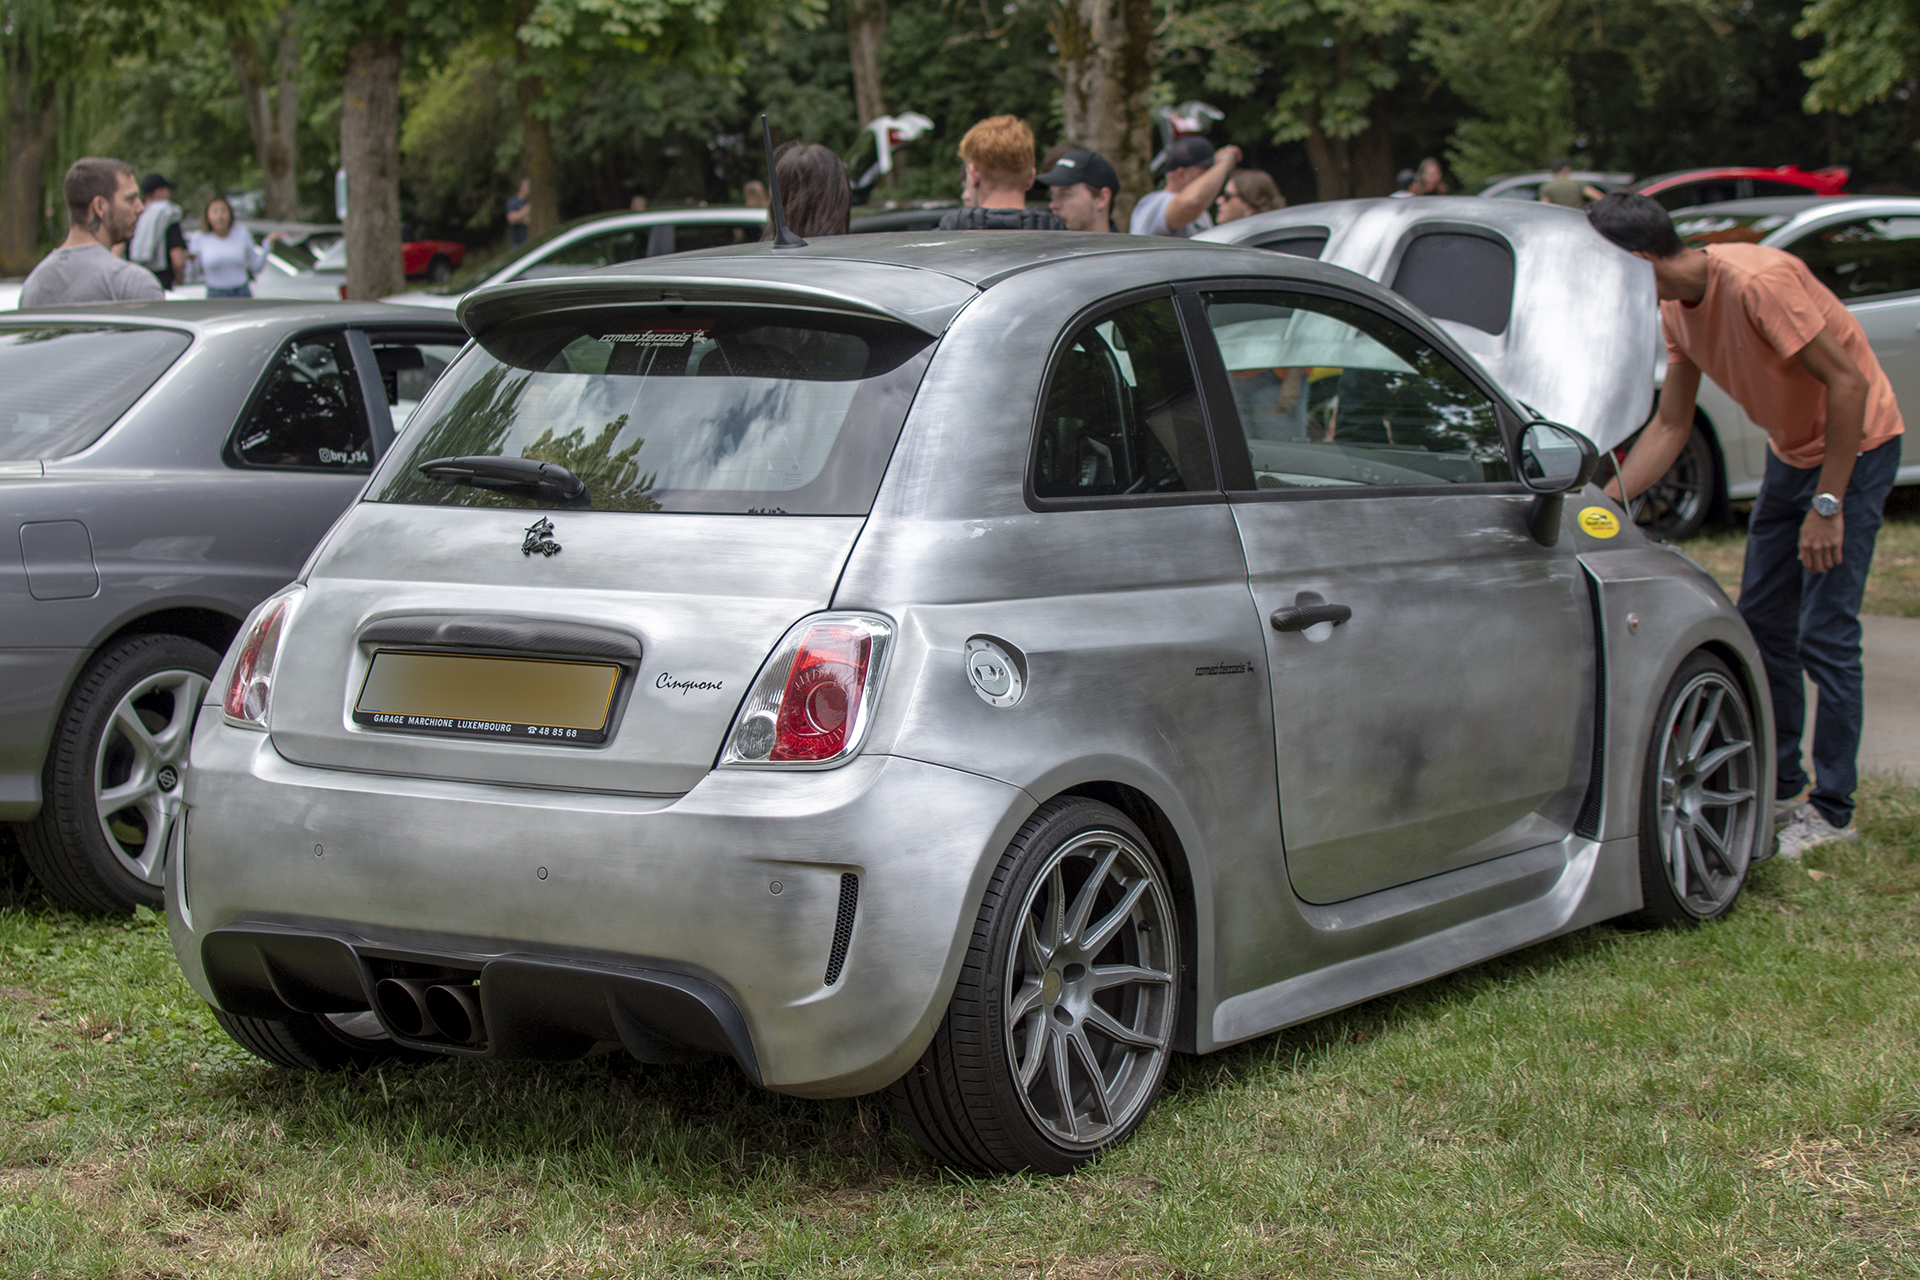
x=1547, y=307
x=1454, y=773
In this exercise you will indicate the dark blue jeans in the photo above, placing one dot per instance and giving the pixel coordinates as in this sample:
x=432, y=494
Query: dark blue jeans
x=1808, y=624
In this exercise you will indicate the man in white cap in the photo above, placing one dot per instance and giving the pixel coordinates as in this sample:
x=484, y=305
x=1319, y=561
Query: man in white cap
x=1195, y=175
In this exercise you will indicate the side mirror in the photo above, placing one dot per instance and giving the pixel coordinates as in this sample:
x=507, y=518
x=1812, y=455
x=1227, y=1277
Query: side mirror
x=1552, y=460
x=1555, y=459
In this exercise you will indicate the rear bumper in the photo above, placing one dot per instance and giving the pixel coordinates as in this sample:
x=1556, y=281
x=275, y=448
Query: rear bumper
x=650, y=922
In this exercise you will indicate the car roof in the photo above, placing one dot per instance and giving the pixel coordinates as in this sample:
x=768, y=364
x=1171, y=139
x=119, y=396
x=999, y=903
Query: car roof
x=225, y=315
x=918, y=278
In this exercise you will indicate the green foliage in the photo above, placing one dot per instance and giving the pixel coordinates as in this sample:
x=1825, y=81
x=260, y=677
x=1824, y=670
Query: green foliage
x=1872, y=49
x=1330, y=57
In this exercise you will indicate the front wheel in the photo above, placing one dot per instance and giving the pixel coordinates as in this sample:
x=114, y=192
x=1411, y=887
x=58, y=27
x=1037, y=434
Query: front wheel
x=440, y=270
x=1061, y=1025
x=1701, y=813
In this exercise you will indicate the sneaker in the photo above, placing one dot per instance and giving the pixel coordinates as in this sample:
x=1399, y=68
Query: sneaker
x=1785, y=811
x=1807, y=829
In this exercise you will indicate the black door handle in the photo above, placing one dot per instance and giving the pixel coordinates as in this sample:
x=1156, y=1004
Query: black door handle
x=1300, y=617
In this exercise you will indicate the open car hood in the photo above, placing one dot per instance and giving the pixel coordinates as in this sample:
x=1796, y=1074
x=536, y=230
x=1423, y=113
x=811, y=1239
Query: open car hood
x=1564, y=321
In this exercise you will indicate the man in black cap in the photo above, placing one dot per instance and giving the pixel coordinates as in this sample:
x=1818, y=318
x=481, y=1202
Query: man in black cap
x=1085, y=185
x=1195, y=175
x=158, y=244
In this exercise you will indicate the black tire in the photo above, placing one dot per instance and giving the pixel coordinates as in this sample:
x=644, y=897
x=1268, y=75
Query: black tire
x=113, y=864
x=440, y=269
x=963, y=1101
x=1703, y=820
x=1679, y=502
x=310, y=1042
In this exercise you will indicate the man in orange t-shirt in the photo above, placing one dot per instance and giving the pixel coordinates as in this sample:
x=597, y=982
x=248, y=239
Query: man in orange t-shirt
x=1757, y=322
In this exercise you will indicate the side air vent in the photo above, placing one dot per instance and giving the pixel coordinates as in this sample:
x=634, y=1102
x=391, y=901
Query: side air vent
x=843, y=926
x=1588, y=823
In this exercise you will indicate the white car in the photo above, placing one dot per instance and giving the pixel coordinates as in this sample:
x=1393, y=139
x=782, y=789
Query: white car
x=1864, y=248
x=601, y=242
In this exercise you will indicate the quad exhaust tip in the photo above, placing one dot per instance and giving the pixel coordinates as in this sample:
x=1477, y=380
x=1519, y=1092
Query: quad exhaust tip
x=456, y=1011
x=422, y=1010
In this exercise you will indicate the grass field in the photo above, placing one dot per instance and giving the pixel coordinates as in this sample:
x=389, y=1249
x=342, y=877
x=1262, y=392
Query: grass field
x=1741, y=1100
x=1893, y=588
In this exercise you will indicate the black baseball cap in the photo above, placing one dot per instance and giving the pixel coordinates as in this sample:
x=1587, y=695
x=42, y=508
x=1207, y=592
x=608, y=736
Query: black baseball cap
x=152, y=183
x=1188, y=151
x=1082, y=165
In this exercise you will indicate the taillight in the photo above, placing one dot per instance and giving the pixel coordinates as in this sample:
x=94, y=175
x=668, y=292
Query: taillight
x=813, y=700
x=250, y=689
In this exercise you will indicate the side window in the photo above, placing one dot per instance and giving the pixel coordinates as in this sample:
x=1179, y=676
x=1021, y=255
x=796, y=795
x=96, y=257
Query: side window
x=308, y=415
x=1330, y=395
x=1864, y=258
x=1122, y=414
x=408, y=366
x=591, y=251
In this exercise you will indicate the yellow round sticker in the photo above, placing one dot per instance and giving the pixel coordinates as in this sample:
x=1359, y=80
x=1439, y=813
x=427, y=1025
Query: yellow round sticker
x=1598, y=522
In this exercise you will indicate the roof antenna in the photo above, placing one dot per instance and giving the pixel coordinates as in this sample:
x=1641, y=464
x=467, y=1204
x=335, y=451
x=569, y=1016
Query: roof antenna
x=782, y=238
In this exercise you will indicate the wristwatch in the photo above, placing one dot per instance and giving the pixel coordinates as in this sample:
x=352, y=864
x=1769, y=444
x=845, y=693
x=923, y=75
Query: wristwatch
x=1826, y=504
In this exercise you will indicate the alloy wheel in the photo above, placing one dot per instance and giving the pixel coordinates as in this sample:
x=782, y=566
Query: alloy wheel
x=1089, y=989
x=1708, y=801
x=140, y=768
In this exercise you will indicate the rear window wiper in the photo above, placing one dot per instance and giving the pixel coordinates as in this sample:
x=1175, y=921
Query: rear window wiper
x=547, y=480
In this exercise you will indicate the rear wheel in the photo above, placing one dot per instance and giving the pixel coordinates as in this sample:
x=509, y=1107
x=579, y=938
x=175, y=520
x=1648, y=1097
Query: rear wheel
x=1679, y=502
x=1701, y=813
x=1061, y=1024
x=315, y=1041
x=440, y=270
x=116, y=773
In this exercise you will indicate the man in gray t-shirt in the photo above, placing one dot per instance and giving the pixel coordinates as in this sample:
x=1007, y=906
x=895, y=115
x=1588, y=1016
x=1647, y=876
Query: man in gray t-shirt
x=103, y=207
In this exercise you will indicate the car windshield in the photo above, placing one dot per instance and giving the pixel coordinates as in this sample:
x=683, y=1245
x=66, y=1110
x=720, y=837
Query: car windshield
x=66, y=384
x=678, y=408
x=1706, y=227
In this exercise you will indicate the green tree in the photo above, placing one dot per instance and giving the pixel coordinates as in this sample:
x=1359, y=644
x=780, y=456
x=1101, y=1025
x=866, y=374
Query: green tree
x=1872, y=49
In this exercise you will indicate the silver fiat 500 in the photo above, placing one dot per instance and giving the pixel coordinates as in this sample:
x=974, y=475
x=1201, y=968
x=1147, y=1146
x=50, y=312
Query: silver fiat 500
x=974, y=666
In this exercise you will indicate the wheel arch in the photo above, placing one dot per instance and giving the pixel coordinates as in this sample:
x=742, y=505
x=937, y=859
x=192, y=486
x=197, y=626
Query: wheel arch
x=210, y=627
x=1146, y=814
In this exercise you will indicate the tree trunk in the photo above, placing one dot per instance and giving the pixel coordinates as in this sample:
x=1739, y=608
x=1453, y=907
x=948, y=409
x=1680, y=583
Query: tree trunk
x=30, y=128
x=1358, y=166
x=866, y=34
x=536, y=155
x=370, y=153
x=1106, y=83
x=272, y=107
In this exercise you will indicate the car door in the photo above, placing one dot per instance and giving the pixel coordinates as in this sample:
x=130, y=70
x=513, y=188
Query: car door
x=1448, y=717
x=1873, y=265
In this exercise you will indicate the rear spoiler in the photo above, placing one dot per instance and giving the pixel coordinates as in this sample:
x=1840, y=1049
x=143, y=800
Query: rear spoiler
x=934, y=296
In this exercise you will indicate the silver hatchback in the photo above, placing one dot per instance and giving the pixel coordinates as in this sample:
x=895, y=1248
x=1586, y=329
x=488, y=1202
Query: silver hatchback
x=977, y=667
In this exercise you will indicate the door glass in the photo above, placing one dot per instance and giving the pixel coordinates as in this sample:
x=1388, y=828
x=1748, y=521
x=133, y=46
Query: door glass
x=308, y=415
x=589, y=252
x=1864, y=258
x=1767, y=187
x=1122, y=415
x=1688, y=194
x=1330, y=395
x=408, y=366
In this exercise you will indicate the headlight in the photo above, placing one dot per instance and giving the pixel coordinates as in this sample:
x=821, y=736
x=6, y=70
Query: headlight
x=250, y=689
x=812, y=703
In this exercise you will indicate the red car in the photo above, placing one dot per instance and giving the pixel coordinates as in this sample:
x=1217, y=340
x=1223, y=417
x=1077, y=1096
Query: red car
x=434, y=259
x=1689, y=187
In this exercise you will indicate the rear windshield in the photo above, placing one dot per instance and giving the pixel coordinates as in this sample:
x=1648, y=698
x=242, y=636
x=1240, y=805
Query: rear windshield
x=66, y=384
x=680, y=408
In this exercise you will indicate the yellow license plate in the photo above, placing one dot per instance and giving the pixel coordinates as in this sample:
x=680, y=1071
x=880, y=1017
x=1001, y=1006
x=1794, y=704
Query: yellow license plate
x=477, y=696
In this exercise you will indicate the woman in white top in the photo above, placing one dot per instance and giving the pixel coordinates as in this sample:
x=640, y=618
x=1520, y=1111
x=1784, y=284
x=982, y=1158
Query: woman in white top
x=226, y=252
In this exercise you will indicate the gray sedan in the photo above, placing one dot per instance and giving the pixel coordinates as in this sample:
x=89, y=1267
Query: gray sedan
x=972, y=666
x=163, y=467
